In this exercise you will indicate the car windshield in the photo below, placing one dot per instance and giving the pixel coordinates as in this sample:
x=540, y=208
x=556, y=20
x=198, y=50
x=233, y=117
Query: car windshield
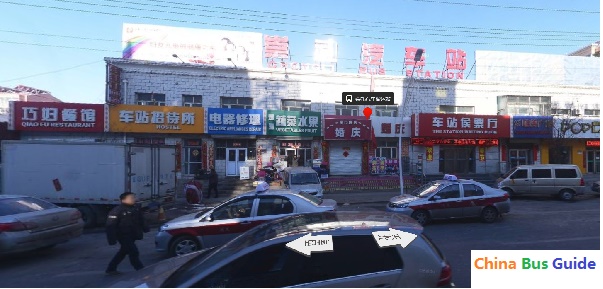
x=426, y=190
x=261, y=233
x=510, y=172
x=310, y=198
x=13, y=206
x=304, y=179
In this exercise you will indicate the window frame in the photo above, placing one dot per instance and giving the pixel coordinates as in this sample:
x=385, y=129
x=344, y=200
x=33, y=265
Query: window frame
x=564, y=169
x=354, y=109
x=194, y=102
x=512, y=176
x=456, y=109
x=539, y=177
x=446, y=187
x=149, y=98
x=238, y=103
x=283, y=203
x=477, y=189
x=300, y=105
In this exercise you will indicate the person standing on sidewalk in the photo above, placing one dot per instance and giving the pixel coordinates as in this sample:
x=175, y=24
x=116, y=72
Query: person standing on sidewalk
x=126, y=225
x=213, y=183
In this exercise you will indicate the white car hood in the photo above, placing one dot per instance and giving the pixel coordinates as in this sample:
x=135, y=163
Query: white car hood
x=402, y=199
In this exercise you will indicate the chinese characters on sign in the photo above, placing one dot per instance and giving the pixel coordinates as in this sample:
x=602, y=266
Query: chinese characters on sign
x=58, y=116
x=164, y=119
x=532, y=127
x=293, y=123
x=456, y=63
x=235, y=121
x=456, y=141
x=482, y=154
x=470, y=126
x=371, y=59
x=347, y=128
x=113, y=84
x=276, y=48
x=389, y=126
x=276, y=52
x=429, y=154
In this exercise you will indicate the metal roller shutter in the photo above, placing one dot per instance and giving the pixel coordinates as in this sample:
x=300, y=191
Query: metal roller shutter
x=345, y=166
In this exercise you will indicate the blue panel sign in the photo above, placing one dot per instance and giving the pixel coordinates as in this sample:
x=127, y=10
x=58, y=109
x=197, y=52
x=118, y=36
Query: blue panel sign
x=235, y=121
x=532, y=127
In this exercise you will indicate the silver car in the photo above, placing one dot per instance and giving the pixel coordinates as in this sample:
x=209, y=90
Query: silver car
x=446, y=199
x=262, y=257
x=28, y=223
x=216, y=226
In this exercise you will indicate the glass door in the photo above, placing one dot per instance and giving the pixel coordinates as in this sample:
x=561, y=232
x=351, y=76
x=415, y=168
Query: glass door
x=593, y=164
x=518, y=157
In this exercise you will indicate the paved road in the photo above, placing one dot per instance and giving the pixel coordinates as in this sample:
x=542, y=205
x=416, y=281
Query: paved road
x=533, y=224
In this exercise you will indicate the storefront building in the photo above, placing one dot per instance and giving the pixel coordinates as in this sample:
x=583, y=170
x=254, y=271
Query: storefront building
x=346, y=144
x=576, y=140
x=235, y=139
x=296, y=133
x=529, y=136
x=459, y=143
x=385, y=157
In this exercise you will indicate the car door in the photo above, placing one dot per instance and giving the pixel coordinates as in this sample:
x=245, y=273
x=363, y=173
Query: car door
x=272, y=207
x=228, y=221
x=446, y=203
x=473, y=199
x=520, y=181
x=542, y=181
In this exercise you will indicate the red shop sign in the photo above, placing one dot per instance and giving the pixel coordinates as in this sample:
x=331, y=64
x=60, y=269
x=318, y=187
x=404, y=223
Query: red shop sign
x=461, y=125
x=58, y=116
x=347, y=128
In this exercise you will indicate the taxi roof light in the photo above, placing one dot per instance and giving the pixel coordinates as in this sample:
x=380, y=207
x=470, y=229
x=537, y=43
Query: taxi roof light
x=450, y=177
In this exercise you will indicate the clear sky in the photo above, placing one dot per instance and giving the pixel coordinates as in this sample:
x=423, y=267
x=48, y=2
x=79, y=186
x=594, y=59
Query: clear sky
x=59, y=45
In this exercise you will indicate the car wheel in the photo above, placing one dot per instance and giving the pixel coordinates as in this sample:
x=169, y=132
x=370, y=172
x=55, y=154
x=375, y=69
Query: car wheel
x=566, y=195
x=88, y=216
x=184, y=245
x=489, y=214
x=422, y=217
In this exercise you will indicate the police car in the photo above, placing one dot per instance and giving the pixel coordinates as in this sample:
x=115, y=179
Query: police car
x=215, y=226
x=452, y=198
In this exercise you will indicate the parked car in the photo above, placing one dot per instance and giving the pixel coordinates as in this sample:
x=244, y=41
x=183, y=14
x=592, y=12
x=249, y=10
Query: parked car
x=563, y=181
x=302, y=179
x=28, y=223
x=260, y=257
x=216, y=226
x=452, y=198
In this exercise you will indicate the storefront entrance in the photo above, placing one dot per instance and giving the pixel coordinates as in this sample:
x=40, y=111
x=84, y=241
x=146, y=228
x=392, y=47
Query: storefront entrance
x=301, y=149
x=457, y=160
x=235, y=158
x=518, y=157
x=593, y=164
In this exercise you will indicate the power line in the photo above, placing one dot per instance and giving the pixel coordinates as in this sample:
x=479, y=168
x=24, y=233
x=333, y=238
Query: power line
x=354, y=22
x=401, y=62
x=388, y=30
x=507, y=7
x=272, y=29
x=51, y=72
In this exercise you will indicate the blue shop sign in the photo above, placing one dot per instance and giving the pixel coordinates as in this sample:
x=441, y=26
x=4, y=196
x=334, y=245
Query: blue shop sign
x=235, y=121
x=532, y=127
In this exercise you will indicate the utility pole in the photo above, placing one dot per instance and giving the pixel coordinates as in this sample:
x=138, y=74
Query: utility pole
x=404, y=103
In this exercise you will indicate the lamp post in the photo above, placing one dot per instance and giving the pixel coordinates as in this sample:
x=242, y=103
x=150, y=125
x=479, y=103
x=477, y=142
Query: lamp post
x=404, y=103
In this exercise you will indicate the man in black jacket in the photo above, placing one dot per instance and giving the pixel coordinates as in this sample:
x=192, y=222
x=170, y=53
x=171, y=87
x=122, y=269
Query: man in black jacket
x=125, y=224
x=213, y=183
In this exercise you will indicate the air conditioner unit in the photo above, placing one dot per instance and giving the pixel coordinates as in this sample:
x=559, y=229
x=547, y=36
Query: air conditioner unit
x=143, y=102
x=189, y=104
x=160, y=103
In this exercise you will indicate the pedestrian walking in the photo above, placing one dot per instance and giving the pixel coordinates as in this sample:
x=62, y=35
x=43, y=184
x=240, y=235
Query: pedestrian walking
x=213, y=183
x=125, y=225
x=295, y=162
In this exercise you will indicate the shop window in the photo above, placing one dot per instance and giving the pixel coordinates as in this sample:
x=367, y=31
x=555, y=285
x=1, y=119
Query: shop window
x=560, y=155
x=150, y=99
x=386, y=110
x=592, y=112
x=457, y=109
x=348, y=110
x=295, y=105
x=559, y=111
x=193, y=161
x=387, y=149
x=220, y=146
x=192, y=100
x=524, y=105
x=236, y=102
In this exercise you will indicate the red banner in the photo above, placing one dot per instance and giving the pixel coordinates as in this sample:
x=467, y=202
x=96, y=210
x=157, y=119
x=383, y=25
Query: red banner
x=347, y=128
x=58, y=116
x=461, y=125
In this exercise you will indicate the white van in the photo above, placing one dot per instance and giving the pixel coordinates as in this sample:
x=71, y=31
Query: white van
x=302, y=179
x=564, y=181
